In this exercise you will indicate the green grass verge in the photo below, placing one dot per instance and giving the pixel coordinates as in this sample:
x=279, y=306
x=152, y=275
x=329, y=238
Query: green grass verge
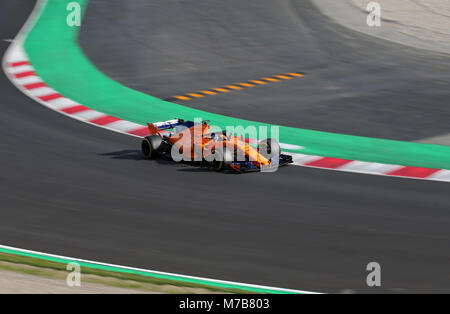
x=150, y=276
x=52, y=269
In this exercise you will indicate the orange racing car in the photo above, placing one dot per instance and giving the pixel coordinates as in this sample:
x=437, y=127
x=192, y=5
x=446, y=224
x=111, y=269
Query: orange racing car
x=198, y=143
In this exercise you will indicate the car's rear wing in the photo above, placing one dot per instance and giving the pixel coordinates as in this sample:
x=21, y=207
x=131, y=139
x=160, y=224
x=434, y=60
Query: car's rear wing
x=168, y=124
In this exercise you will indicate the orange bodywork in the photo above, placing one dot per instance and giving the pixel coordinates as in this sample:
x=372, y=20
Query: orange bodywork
x=198, y=142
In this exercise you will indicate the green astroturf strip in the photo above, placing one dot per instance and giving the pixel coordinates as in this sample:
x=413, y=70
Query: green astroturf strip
x=54, y=52
x=198, y=281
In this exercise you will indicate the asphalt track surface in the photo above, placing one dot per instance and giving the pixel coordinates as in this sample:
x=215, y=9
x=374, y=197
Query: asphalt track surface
x=72, y=189
x=356, y=84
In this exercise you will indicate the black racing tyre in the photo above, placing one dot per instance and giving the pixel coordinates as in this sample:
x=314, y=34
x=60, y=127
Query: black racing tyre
x=269, y=148
x=150, y=146
x=218, y=163
x=222, y=159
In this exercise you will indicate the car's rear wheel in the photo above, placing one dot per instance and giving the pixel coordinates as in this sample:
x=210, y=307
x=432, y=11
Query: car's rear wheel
x=150, y=146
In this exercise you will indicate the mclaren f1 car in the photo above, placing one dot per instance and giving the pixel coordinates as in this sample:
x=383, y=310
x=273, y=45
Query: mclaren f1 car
x=198, y=143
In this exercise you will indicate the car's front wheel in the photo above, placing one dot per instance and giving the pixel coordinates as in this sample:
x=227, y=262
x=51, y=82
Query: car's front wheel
x=219, y=159
x=269, y=148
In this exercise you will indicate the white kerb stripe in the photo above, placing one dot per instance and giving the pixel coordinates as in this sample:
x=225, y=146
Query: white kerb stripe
x=41, y=91
x=20, y=69
x=28, y=80
x=61, y=103
x=16, y=53
x=290, y=146
x=301, y=159
x=88, y=115
x=122, y=125
x=369, y=167
x=441, y=175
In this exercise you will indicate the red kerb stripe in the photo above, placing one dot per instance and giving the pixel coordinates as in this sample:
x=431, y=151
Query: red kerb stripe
x=35, y=85
x=104, y=120
x=329, y=163
x=24, y=74
x=18, y=64
x=413, y=172
x=50, y=97
x=75, y=109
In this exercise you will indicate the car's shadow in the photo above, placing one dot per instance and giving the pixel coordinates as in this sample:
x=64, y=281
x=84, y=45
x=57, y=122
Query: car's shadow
x=126, y=154
x=132, y=154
